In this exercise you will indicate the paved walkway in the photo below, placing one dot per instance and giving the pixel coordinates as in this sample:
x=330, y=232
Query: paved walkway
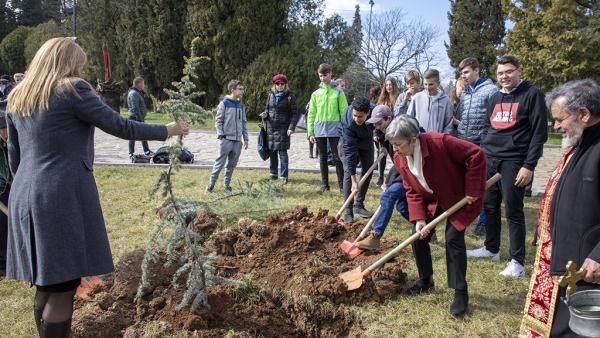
x=204, y=145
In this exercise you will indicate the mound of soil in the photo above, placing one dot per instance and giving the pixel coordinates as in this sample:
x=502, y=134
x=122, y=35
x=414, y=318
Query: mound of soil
x=289, y=263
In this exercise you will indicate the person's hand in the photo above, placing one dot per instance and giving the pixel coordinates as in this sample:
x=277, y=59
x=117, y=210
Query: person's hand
x=408, y=94
x=455, y=121
x=471, y=199
x=355, y=186
x=290, y=132
x=245, y=144
x=177, y=128
x=375, y=139
x=593, y=271
x=524, y=177
x=312, y=139
x=263, y=115
x=384, y=151
x=420, y=228
x=384, y=187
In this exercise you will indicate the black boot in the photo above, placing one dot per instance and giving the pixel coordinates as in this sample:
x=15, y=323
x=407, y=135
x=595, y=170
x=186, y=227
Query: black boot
x=55, y=330
x=37, y=315
x=420, y=287
x=460, y=304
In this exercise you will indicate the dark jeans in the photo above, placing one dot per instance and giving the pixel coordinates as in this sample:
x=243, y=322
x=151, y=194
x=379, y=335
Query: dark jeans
x=365, y=156
x=274, y=157
x=505, y=190
x=456, y=257
x=132, y=142
x=3, y=227
x=393, y=196
x=339, y=168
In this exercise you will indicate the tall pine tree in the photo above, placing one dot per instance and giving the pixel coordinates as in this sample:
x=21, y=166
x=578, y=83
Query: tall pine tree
x=476, y=30
x=30, y=12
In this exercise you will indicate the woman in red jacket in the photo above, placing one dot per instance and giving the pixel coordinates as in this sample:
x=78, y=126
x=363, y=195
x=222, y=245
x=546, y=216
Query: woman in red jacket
x=438, y=170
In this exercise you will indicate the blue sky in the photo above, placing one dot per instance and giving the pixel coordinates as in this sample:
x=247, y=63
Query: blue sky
x=432, y=12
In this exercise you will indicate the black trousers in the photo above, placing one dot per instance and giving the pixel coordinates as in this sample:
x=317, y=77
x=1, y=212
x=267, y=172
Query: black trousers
x=560, y=325
x=365, y=156
x=505, y=190
x=456, y=257
x=339, y=168
x=132, y=143
x=4, y=227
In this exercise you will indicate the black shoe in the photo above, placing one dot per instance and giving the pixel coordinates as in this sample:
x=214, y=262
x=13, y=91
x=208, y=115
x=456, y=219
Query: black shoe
x=228, y=188
x=362, y=212
x=380, y=181
x=479, y=230
x=460, y=304
x=285, y=180
x=209, y=189
x=62, y=329
x=419, y=288
x=323, y=189
x=2, y=269
x=348, y=217
x=273, y=177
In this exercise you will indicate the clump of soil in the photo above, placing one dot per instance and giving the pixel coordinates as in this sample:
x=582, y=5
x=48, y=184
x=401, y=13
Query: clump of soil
x=289, y=264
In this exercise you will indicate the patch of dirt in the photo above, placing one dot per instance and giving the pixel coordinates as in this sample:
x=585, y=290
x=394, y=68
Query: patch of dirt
x=290, y=264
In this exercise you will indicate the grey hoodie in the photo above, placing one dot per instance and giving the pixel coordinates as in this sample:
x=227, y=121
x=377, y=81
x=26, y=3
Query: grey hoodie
x=434, y=113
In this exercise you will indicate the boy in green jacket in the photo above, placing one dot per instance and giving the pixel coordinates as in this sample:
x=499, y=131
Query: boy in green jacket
x=327, y=106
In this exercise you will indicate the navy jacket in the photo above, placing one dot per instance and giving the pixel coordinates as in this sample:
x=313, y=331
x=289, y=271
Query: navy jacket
x=355, y=137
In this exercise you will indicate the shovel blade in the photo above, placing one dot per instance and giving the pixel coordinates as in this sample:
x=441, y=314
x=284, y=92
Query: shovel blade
x=87, y=283
x=352, y=278
x=350, y=249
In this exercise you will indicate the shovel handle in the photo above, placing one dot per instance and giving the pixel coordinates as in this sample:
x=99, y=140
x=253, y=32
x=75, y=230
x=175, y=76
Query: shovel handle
x=392, y=253
x=360, y=183
x=3, y=208
x=367, y=227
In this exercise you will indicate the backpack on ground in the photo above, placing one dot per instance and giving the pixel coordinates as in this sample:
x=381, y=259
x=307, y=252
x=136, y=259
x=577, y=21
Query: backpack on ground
x=161, y=156
x=140, y=158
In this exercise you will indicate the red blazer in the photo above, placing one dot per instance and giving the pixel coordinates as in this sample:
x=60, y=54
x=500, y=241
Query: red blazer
x=453, y=169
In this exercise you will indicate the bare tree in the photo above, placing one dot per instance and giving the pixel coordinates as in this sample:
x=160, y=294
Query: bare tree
x=395, y=44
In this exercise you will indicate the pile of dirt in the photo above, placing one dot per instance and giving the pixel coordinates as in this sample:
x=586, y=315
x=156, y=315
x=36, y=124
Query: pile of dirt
x=289, y=264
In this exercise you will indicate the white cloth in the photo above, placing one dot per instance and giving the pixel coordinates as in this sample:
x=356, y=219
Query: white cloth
x=415, y=165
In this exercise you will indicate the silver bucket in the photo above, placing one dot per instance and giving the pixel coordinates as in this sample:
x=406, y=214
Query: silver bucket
x=584, y=307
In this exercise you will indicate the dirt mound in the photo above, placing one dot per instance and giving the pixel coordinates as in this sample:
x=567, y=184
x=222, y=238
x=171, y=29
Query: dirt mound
x=289, y=265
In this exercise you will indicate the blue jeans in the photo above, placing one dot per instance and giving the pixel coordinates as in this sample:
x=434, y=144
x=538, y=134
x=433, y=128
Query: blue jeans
x=482, y=217
x=393, y=196
x=283, y=156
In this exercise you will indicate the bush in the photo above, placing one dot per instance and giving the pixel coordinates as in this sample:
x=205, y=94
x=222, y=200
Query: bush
x=12, y=49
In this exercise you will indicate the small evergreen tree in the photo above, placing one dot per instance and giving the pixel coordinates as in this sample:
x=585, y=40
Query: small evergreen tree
x=12, y=49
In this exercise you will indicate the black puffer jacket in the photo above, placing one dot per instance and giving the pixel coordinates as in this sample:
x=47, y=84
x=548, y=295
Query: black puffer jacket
x=283, y=116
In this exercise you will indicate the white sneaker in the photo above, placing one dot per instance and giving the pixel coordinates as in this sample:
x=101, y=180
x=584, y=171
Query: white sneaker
x=513, y=269
x=483, y=253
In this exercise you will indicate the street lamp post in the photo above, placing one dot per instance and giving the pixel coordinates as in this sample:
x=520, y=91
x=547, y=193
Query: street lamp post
x=371, y=3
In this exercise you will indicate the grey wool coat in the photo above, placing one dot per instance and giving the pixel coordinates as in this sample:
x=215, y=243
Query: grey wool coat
x=56, y=229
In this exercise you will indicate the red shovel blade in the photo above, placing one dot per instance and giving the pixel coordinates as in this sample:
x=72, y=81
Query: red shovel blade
x=87, y=283
x=350, y=249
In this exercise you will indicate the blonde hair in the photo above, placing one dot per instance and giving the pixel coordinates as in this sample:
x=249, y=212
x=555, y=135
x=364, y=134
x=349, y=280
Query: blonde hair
x=57, y=62
x=386, y=98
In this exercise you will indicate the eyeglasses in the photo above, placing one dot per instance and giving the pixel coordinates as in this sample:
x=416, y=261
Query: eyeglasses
x=507, y=72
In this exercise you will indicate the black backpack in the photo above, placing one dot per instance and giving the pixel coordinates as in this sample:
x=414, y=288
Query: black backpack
x=161, y=156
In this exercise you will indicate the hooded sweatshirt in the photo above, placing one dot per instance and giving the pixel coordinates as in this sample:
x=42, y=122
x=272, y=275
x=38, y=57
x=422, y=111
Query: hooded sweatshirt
x=230, y=121
x=355, y=137
x=434, y=113
x=516, y=125
x=472, y=110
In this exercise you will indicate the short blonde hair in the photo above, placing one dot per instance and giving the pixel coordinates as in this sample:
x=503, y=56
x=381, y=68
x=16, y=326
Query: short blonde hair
x=412, y=75
x=58, y=61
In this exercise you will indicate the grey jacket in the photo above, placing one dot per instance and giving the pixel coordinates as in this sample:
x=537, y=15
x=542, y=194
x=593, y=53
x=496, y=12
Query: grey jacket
x=230, y=121
x=472, y=111
x=136, y=105
x=434, y=113
x=57, y=231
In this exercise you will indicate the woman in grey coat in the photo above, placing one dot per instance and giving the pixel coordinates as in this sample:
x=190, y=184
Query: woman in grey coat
x=56, y=229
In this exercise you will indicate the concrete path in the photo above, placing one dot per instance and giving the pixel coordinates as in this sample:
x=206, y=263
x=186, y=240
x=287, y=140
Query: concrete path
x=204, y=145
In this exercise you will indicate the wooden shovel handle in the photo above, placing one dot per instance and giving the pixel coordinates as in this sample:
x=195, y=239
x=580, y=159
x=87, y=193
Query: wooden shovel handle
x=392, y=253
x=3, y=208
x=367, y=227
x=360, y=183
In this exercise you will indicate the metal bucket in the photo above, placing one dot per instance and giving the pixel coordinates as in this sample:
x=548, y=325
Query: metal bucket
x=584, y=307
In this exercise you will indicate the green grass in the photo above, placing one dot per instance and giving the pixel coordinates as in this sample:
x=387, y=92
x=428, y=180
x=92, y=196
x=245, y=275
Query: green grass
x=496, y=303
x=554, y=138
x=208, y=124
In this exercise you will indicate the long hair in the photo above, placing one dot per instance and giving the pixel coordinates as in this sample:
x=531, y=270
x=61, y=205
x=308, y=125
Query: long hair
x=389, y=99
x=58, y=61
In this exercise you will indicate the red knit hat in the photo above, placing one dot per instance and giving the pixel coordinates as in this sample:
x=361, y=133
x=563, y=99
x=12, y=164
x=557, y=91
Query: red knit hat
x=279, y=78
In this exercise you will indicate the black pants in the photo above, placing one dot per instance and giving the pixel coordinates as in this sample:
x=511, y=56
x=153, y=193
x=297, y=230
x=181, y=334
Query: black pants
x=365, y=156
x=132, y=143
x=456, y=257
x=339, y=168
x=505, y=190
x=560, y=325
x=3, y=227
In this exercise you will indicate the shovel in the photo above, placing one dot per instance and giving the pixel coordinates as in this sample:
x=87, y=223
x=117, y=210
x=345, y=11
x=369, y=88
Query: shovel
x=360, y=183
x=350, y=248
x=354, y=278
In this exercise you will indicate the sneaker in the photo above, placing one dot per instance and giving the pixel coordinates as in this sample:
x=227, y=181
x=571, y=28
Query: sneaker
x=483, y=253
x=323, y=189
x=149, y=153
x=362, y=212
x=372, y=242
x=285, y=180
x=479, y=229
x=420, y=287
x=209, y=189
x=460, y=304
x=228, y=188
x=513, y=269
x=348, y=217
